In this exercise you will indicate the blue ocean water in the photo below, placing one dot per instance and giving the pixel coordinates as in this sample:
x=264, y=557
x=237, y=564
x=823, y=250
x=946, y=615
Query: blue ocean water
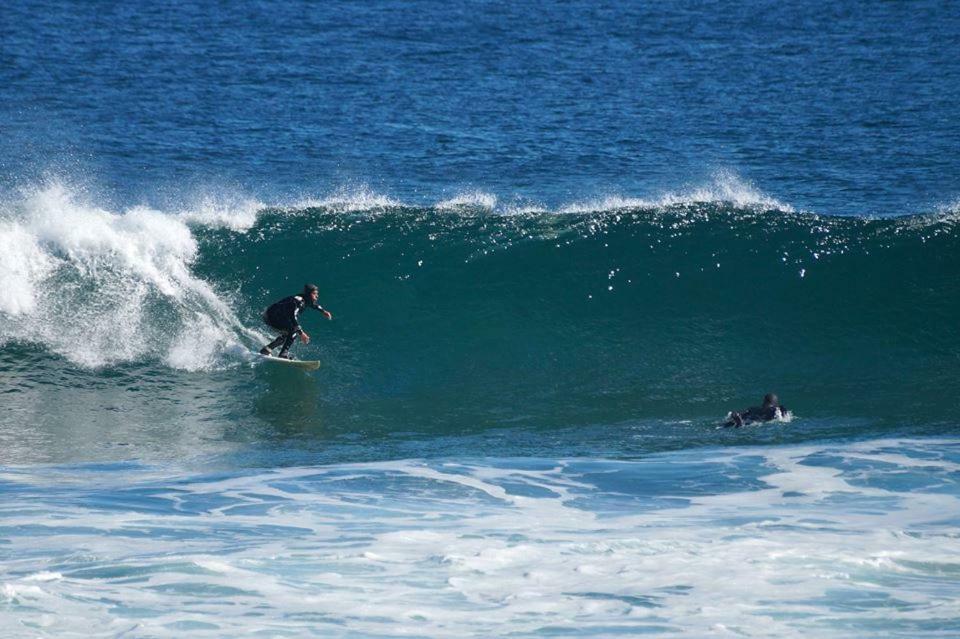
x=560, y=241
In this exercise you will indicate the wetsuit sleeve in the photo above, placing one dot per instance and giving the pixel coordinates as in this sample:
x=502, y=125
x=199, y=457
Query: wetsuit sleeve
x=294, y=312
x=292, y=309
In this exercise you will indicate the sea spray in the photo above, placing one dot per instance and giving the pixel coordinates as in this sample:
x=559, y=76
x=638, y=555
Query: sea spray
x=99, y=287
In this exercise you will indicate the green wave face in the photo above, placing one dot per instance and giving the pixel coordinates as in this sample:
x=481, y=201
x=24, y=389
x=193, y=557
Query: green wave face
x=612, y=314
x=456, y=321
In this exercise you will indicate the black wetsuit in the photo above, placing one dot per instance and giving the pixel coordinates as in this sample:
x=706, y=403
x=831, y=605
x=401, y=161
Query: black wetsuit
x=755, y=414
x=283, y=316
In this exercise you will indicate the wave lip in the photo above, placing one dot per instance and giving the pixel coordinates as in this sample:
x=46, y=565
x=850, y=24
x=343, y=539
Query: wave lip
x=468, y=200
x=349, y=200
x=238, y=214
x=725, y=188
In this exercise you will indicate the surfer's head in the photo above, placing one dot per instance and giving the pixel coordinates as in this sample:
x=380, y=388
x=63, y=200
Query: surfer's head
x=770, y=400
x=311, y=291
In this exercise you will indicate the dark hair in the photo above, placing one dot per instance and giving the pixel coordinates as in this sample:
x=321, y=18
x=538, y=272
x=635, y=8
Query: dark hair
x=310, y=288
x=771, y=400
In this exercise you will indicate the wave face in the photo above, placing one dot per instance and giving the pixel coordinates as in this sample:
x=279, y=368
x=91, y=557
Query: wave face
x=462, y=314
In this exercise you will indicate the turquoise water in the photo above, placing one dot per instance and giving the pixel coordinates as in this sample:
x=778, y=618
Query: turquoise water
x=559, y=243
x=456, y=321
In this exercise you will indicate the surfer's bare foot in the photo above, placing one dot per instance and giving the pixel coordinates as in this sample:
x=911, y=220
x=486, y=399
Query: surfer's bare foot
x=266, y=351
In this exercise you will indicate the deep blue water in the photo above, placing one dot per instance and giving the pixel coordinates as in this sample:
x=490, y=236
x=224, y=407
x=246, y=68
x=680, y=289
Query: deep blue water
x=560, y=242
x=846, y=108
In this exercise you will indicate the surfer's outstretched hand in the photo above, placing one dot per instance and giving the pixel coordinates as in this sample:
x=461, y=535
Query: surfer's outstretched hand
x=328, y=314
x=304, y=337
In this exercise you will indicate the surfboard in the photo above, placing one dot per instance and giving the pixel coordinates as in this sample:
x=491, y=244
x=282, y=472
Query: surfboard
x=307, y=365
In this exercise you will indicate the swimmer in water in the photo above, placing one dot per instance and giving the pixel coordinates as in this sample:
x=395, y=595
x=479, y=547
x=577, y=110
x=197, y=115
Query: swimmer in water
x=770, y=410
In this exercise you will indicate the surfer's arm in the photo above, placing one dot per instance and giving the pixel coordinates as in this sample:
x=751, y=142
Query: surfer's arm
x=326, y=313
x=298, y=331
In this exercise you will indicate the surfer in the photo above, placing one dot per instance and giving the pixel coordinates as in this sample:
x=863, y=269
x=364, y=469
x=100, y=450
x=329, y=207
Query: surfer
x=771, y=409
x=282, y=316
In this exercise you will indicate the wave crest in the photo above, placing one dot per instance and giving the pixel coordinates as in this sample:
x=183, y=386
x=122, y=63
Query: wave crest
x=725, y=188
x=100, y=287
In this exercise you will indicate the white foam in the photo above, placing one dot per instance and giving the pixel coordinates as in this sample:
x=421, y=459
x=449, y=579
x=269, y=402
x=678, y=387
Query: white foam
x=198, y=345
x=238, y=213
x=13, y=591
x=469, y=200
x=44, y=576
x=725, y=187
x=23, y=266
x=452, y=550
x=349, y=199
x=100, y=287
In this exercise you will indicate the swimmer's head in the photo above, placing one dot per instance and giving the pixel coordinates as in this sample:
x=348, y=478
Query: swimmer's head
x=770, y=400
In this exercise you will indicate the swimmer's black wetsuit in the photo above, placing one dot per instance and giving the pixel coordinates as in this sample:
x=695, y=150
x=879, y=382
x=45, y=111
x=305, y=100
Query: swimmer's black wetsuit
x=755, y=414
x=283, y=316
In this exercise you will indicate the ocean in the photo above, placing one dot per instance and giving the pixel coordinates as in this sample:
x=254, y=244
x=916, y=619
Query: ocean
x=560, y=242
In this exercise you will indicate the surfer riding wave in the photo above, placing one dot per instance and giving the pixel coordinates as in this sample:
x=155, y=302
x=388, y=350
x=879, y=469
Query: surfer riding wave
x=283, y=317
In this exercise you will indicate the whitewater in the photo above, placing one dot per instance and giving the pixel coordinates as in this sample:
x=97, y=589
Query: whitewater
x=783, y=542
